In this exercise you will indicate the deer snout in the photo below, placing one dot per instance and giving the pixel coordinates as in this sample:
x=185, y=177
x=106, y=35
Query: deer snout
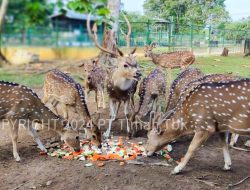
x=100, y=146
x=138, y=74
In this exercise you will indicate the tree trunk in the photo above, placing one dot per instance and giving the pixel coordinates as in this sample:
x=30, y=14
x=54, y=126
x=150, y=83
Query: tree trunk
x=3, y=11
x=110, y=35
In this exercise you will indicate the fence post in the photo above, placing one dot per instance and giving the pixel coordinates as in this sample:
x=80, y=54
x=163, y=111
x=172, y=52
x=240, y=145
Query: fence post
x=209, y=39
x=191, y=37
x=148, y=33
x=57, y=34
x=29, y=31
x=169, y=36
x=223, y=38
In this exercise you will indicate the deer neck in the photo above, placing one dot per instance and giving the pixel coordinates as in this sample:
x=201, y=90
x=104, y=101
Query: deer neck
x=176, y=126
x=155, y=58
x=121, y=82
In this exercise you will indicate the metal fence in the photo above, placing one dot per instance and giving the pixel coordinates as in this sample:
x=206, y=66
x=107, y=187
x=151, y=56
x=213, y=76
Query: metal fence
x=166, y=34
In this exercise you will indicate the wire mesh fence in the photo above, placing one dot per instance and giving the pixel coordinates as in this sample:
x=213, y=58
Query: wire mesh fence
x=164, y=33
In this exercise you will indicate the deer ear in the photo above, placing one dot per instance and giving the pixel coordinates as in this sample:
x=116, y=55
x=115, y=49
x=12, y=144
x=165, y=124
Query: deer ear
x=120, y=52
x=151, y=120
x=153, y=45
x=95, y=62
x=82, y=65
x=133, y=51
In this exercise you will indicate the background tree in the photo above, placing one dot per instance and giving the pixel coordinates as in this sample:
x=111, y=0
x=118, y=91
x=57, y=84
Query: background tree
x=3, y=11
x=23, y=14
x=182, y=12
x=108, y=11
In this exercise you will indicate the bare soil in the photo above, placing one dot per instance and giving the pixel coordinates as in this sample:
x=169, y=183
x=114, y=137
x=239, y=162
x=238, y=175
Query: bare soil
x=35, y=171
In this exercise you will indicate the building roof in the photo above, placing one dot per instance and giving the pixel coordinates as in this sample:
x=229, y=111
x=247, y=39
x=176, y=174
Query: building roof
x=73, y=15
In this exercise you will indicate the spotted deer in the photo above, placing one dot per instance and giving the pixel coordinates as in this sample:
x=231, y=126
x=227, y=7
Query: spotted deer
x=122, y=80
x=177, y=59
x=19, y=105
x=61, y=88
x=151, y=88
x=183, y=79
x=95, y=78
x=214, y=107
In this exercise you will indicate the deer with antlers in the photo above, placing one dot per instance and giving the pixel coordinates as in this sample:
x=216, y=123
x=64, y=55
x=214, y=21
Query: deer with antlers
x=122, y=81
x=216, y=107
x=20, y=106
x=177, y=59
x=61, y=88
x=95, y=78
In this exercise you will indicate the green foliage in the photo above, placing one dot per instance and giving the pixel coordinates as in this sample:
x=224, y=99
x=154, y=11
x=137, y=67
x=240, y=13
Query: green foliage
x=97, y=7
x=198, y=12
x=29, y=12
x=137, y=21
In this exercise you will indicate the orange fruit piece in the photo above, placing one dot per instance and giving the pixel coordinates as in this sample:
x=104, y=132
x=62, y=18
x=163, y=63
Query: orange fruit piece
x=70, y=157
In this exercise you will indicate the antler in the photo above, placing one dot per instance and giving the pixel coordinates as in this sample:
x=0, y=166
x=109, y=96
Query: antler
x=94, y=38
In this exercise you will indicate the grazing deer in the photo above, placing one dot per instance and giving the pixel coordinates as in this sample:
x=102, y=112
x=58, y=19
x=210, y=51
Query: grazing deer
x=95, y=78
x=216, y=107
x=177, y=59
x=20, y=105
x=183, y=79
x=122, y=80
x=60, y=88
x=150, y=89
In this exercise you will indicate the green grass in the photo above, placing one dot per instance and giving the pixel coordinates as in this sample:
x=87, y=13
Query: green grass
x=237, y=65
x=31, y=80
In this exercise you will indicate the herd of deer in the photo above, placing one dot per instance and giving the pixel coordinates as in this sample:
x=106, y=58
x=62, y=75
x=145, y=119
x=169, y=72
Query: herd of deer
x=197, y=103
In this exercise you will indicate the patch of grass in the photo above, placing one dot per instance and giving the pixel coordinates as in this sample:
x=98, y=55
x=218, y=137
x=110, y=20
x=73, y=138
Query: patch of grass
x=235, y=64
x=25, y=79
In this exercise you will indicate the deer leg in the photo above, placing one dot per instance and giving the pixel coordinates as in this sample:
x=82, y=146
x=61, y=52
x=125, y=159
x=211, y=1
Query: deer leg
x=199, y=138
x=132, y=102
x=14, y=125
x=117, y=109
x=234, y=139
x=113, y=112
x=34, y=134
x=227, y=159
x=126, y=105
x=103, y=99
x=97, y=101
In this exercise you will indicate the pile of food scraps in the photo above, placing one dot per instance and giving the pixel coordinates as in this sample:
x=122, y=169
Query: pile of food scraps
x=116, y=148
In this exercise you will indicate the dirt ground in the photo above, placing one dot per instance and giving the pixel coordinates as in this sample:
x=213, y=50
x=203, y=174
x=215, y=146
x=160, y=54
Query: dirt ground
x=34, y=171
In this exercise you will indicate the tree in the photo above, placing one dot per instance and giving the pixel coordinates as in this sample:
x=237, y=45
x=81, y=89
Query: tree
x=109, y=11
x=3, y=11
x=24, y=14
x=198, y=12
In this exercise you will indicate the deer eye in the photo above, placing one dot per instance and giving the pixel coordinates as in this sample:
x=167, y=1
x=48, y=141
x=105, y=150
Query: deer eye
x=77, y=137
x=93, y=136
x=125, y=66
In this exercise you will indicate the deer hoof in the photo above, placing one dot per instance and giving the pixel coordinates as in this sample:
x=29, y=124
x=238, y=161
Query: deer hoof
x=18, y=159
x=176, y=170
x=227, y=167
